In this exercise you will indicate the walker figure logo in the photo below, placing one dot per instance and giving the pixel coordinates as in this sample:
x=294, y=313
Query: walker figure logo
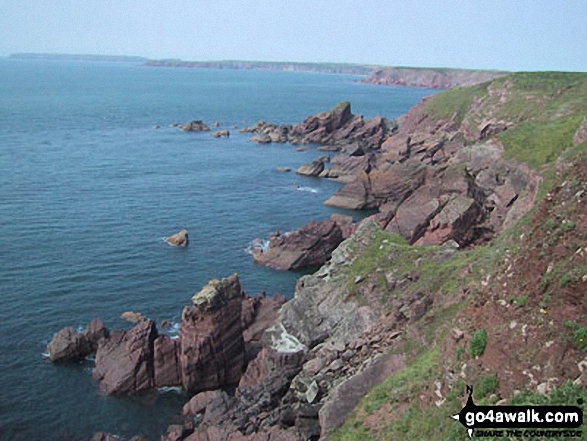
x=478, y=419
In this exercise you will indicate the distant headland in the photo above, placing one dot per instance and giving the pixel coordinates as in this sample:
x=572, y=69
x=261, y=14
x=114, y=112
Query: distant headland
x=434, y=78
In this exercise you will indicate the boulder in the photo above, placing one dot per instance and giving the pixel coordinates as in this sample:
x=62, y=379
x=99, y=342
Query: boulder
x=132, y=316
x=69, y=345
x=179, y=239
x=211, y=337
x=195, y=126
x=124, y=363
x=221, y=134
x=313, y=169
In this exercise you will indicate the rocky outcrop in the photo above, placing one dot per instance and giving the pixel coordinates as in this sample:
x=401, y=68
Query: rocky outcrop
x=124, y=363
x=212, y=345
x=179, y=239
x=195, y=126
x=309, y=246
x=69, y=345
x=336, y=127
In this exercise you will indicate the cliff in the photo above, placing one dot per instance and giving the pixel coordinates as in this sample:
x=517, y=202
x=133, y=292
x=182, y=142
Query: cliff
x=430, y=77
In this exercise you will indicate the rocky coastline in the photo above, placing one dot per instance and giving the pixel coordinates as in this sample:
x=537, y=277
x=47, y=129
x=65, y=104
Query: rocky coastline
x=413, y=280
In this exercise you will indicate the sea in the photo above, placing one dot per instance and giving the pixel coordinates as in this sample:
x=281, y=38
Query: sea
x=93, y=177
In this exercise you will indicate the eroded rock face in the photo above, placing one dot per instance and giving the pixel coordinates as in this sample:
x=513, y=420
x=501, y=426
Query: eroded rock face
x=309, y=246
x=124, y=363
x=212, y=345
x=179, y=239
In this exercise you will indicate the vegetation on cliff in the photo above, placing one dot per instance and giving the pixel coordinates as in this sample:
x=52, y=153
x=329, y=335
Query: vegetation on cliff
x=508, y=316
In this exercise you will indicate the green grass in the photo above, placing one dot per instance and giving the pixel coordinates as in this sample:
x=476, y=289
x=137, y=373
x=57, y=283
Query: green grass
x=486, y=386
x=455, y=102
x=478, y=343
x=540, y=142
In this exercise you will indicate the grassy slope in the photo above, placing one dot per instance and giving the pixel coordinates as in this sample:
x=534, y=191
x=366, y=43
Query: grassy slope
x=546, y=110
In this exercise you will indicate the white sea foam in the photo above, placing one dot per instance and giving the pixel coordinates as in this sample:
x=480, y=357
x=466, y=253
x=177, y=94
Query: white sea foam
x=262, y=245
x=307, y=189
x=175, y=389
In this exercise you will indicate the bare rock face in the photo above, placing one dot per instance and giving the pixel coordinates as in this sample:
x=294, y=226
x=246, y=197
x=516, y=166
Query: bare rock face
x=166, y=368
x=124, y=363
x=195, y=126
x=179, y=239
x=212, y=345
x=69, y=345
x=309, y=246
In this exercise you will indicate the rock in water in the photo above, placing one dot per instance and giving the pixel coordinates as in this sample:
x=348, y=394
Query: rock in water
x=179, y=239
x=69, y=345
x=309, y=246
x=313, y=169
x=124, y=363
x=195, y=126
x=221, y=133
x=211, y=338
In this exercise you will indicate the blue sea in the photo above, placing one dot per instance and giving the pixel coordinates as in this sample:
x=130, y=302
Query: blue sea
x=93, y=178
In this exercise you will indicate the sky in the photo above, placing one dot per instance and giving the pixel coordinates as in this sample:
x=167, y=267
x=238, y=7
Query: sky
x=510, y=35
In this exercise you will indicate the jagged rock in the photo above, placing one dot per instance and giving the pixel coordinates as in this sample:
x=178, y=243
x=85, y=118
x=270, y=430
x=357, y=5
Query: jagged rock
x=264, y=314
x=124, y=363
x=95, y=333
x=389, y=186
x=68, y=345
x=309, y=246
x=212, y=345
x=166, y=366
x=194, y=126
x=283, y=169
x=179, y=239
x=221, y=134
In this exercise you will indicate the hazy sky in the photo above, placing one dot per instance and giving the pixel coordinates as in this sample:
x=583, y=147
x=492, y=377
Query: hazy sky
x=496, y=34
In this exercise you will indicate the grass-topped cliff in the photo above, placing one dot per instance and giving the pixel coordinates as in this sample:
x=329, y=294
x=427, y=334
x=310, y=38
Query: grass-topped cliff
x=507, y=316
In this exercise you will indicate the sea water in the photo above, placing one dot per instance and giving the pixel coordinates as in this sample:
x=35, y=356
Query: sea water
x=93, y=178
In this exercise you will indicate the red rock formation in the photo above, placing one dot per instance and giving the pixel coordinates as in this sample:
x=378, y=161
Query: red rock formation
x=166, y=365
x=212, y=345
x=68, y=345
x=309, y=246
x=124, y=363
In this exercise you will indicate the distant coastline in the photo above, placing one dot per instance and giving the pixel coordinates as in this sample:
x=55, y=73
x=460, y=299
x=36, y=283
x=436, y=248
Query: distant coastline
x=79, y=57
x=421, y=77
